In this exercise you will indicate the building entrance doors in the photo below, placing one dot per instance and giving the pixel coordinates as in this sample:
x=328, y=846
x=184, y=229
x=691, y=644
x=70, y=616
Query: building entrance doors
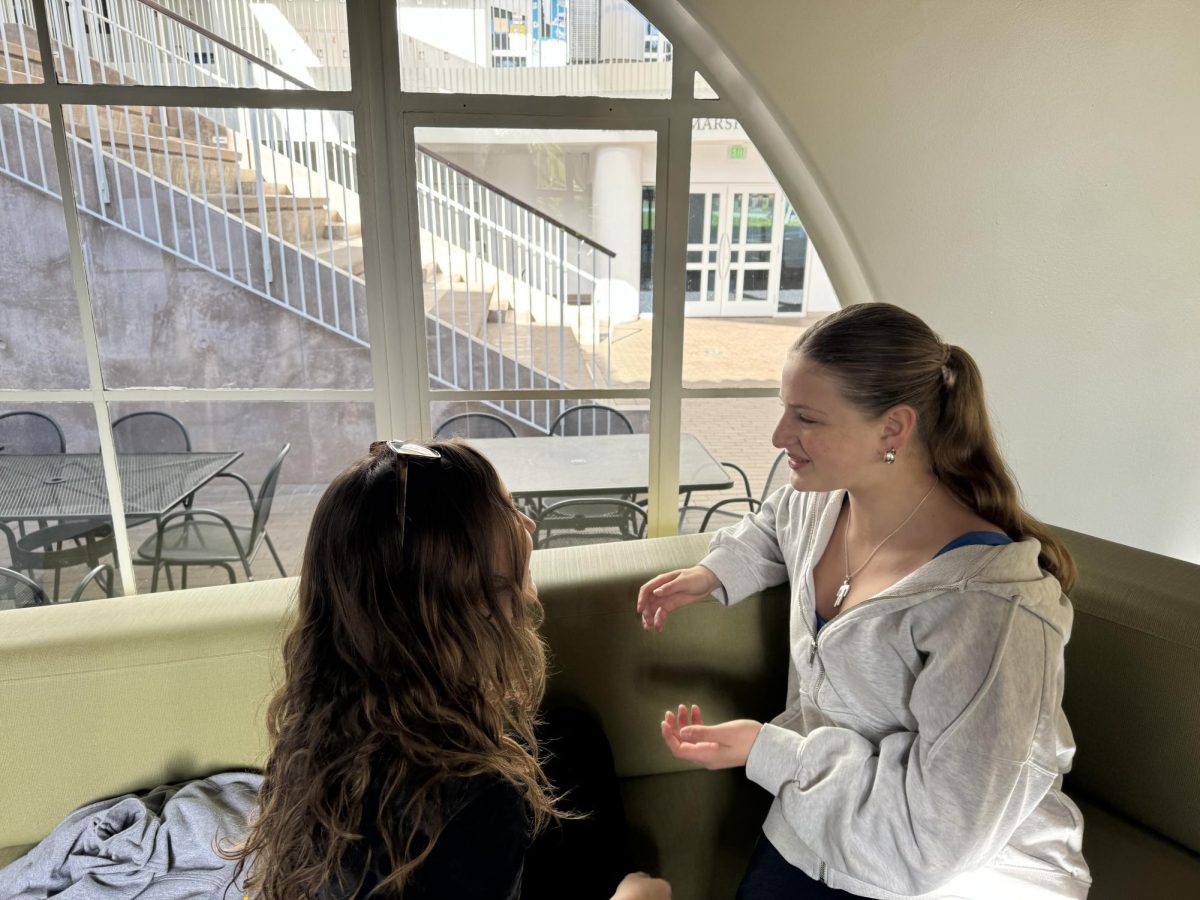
x=734, y=240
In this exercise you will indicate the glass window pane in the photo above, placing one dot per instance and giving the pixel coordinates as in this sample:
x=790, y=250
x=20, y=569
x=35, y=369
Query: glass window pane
x=536, y=257
x=224, y=246
x=41, y=342
x=792, y=262
x=583, y=483
x=20, y=58
x=760, y=218
x=566, y=48
x=221, y=44
x=754, y=283
x=735, y=431
x=695, y=218
x=762, y=275
x=227, y=438
x=702, y=90
x=55, y=527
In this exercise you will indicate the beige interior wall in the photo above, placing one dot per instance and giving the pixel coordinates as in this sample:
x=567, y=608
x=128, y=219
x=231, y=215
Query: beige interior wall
x=1025, y=176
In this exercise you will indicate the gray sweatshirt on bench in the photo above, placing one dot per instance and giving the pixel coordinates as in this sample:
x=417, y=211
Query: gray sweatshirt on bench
x=161, y=845
x=923, y=745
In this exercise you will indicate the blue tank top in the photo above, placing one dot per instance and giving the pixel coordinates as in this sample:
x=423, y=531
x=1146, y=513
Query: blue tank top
x=988, y=538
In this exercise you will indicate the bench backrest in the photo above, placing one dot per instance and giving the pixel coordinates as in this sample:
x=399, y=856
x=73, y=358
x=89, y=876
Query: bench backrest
x=1133, y=685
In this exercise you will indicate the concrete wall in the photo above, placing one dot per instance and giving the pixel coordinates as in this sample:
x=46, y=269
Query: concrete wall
x=1024, y=177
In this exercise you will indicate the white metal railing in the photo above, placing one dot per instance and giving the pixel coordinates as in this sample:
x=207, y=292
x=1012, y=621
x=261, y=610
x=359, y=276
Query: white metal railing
x=535, y=289
x=285, y=228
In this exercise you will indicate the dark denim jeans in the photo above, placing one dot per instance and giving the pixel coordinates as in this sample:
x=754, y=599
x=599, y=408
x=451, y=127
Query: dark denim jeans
x=771, y=877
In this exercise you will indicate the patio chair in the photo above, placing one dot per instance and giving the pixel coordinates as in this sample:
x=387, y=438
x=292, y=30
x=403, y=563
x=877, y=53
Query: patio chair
x=474, y=425
x=26, y=431
x=589, y=520
x=42, y=550
x=727, y=511
x=150, y=432
x=590, y=419
x=205, y=537
x=20, y=592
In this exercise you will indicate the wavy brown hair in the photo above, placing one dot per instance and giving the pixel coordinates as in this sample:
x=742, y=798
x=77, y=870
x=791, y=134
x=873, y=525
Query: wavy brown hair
x=407, y=667
x=882, y=356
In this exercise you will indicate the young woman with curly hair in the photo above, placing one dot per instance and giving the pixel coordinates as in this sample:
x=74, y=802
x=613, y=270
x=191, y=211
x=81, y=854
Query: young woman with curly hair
x=404, y=756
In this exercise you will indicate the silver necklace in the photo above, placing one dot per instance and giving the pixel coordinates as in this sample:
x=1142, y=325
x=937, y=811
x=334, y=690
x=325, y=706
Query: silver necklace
x=844, y=590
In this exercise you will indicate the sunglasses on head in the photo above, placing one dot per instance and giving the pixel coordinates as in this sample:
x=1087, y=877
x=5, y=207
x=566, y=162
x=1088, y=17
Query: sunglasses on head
x=404, y=450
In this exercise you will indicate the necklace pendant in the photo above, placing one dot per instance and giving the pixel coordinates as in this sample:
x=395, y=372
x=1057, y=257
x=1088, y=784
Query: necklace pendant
x=841, y=593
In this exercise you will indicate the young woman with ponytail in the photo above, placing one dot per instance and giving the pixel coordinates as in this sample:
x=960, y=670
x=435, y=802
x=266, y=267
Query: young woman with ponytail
x=922, y=749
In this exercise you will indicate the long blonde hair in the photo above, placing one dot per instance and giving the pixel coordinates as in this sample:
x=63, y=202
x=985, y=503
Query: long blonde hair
x=883, y=355
x=406, y=666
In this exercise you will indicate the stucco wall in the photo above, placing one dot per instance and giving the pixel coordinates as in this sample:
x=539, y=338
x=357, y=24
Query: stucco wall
x=1024, y=176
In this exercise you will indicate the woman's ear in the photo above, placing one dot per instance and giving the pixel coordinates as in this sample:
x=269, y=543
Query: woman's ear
x=899, y=423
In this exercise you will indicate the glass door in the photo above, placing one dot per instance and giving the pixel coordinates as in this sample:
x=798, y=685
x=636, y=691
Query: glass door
x=706, y=230
x=734, y=237
x=752, y=276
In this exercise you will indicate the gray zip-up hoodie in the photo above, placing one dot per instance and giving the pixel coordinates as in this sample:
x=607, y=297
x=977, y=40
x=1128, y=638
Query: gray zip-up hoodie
x=923, y=745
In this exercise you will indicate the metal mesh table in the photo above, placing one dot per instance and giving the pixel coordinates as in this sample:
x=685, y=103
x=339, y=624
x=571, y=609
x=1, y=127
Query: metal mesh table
x=594, y=465
x=71, y=485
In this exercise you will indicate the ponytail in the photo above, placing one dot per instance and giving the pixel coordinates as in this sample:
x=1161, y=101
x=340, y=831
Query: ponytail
x=883, y=356
x=965, y=458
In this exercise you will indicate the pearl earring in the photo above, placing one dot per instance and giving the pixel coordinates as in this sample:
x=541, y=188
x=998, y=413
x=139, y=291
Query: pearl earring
x=890, y=456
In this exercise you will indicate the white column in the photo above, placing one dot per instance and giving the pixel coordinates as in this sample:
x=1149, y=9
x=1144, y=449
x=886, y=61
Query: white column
x=617, y=209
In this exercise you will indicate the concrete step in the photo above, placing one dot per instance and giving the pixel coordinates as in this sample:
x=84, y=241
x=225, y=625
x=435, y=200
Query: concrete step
x=298, y=226
x=249, y=179
x=271, y=199
x=20, y=77
x=197, y=176
x=346, y=255
x=115, y=132
x=159, y=146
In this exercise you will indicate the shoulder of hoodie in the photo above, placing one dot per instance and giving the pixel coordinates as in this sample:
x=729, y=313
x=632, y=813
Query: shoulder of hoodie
x=995, y=574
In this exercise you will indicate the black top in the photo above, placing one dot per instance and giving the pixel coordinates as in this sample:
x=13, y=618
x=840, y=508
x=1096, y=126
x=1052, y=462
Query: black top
x=478, y=856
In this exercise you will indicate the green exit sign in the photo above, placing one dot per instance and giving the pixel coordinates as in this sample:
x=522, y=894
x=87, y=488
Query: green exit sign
x=737, y=151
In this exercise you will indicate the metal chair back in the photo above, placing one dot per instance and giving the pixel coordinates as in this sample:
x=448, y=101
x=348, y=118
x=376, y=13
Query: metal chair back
x=266, y=496
x=591, y=419
x=150, y=431
x=17, y=591
x=474, y=425
x=26, y=431
x=590, y=520
x=775, y=477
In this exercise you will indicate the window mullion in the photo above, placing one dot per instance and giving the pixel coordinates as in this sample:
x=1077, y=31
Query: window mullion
x=673, y=176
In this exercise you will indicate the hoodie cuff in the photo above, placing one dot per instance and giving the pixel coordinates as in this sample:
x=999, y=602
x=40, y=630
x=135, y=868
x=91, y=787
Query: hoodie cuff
x=737, y=581
x=774, y=758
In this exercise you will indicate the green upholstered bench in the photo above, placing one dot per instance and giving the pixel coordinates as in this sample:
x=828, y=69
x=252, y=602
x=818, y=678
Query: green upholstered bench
x=112, y=695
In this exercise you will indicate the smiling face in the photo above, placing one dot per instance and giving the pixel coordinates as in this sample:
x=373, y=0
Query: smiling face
x=830, y=444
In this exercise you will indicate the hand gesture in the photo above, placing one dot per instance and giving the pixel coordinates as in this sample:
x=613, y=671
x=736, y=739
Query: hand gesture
x=664, y=594
x=721, y=746
x=640, y=886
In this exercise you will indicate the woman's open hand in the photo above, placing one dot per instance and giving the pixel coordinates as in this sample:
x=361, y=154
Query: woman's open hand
x=721, y=746
x=640, y=886
x=663, y=594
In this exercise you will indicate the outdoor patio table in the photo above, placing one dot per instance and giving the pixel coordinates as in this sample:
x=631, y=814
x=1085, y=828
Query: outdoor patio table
x=71, y=485
x=600, y=465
